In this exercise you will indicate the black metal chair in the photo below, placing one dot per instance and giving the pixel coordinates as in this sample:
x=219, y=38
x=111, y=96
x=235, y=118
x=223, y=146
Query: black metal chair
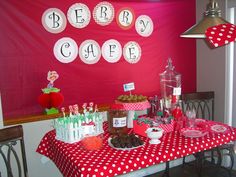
x=9, y=137
x=203, y=103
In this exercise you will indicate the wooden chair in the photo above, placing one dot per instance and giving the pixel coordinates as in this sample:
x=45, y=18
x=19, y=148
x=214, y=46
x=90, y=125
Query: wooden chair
x=9, y=137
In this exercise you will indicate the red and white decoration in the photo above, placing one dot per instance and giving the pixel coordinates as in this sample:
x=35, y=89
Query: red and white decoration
x=111, y=51
x=90, y=52
x=65, y=50
x=135, y=106
x=125, y=18
x=79, y=15
x=54, y=20
x=221, y=35
x=140, y=128
x=132, y=52
x=144, y=25
x=103, y=13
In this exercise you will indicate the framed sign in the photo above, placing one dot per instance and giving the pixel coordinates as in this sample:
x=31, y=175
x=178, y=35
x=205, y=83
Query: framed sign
x=54, y=20
x=103, y=13
x=144, y=25
x=132, y=52
x=79, y=15
x=65, y=50
x=125, y=18
x=111, y=51
x=90, y=52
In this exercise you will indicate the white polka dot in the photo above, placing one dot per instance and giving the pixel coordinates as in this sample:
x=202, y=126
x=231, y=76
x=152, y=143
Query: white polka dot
x=214, y=28
x=216, y=45
x=96, y=170
x=218, y=39
x=110, y=171
x=212, y=32
x=105, y=167
x=135, y=165
x=119, y=169
x=82, y=169
x=220, y=34
x=224, y=26
x=222, y=30
x=101, y=173
x=142, y=162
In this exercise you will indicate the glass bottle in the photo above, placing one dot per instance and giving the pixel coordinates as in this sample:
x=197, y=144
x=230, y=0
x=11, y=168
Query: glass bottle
x=117, y=120
x=170, y=82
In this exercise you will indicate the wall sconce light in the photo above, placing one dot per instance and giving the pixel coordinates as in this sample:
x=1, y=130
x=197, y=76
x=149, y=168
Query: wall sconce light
x=212, y=17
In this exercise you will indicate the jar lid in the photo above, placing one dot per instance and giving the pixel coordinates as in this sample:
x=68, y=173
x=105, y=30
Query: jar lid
x=117, y=106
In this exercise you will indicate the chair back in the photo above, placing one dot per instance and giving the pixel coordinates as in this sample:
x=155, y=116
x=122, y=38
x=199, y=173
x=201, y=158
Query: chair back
x=9, y=137
x=202, y=102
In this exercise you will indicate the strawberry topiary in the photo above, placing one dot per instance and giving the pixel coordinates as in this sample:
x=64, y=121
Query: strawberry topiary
x=51, y=98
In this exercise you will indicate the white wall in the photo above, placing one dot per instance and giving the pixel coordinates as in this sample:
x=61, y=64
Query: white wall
x=33, y=133
x=211, y=65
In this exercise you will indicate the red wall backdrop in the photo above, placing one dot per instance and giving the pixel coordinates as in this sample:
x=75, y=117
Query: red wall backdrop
x=26, y=53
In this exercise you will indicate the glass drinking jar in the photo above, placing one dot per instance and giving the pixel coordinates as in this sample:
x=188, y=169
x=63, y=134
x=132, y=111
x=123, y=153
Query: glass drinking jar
x=170, y=82
x=117, y=120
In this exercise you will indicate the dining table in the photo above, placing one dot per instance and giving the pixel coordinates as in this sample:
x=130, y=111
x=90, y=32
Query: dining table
x=73, y=160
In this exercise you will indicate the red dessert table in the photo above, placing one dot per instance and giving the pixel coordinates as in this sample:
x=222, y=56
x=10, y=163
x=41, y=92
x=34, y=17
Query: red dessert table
x=74, y=161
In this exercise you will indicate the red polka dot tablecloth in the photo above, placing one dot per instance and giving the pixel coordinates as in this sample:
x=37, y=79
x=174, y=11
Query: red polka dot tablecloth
x=74, y=161
x=221, y=35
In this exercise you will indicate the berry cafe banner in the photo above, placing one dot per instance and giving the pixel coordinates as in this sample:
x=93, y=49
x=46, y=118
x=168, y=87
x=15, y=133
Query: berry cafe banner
x=95, y=47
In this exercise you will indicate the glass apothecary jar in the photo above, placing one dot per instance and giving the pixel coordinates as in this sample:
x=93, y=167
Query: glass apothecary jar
x=117, y=120
x=170, y=82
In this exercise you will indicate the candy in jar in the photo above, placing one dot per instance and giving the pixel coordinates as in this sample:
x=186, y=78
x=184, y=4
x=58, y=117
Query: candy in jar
x=117, y=120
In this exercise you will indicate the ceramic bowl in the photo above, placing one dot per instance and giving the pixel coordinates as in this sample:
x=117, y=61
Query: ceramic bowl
x=154, y=133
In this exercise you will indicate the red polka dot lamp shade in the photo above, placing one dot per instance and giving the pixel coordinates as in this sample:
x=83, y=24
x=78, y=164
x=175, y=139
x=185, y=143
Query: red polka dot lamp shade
x=221, y=35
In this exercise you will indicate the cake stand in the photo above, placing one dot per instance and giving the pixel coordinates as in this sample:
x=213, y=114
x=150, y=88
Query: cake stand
x=132, y=107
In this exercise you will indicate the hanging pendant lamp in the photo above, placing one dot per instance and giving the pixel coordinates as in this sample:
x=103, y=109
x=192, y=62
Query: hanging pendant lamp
x=212, y=17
